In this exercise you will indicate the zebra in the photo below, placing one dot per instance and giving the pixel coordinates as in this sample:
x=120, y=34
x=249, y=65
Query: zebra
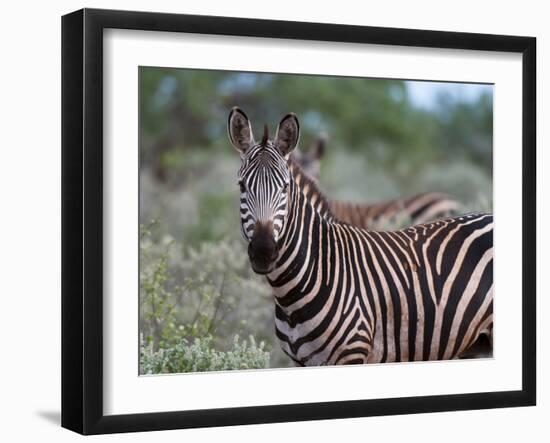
x=420, y=208
x=345, y=295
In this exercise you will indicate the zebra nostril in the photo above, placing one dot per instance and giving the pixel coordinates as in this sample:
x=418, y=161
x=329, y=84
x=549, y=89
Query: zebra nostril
x=251, y=253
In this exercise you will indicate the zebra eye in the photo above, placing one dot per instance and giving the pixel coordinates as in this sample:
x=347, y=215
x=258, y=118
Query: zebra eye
x=285, y=187
x=242, y=186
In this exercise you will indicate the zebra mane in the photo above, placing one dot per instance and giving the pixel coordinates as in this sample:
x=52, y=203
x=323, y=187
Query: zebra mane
x=310, y=187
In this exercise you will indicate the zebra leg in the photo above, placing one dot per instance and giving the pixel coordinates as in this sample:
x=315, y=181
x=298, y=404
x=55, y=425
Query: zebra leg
x=482, y=347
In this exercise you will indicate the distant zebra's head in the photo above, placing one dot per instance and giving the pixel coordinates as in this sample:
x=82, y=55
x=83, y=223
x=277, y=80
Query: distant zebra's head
x=264, y=179
x=310, y=160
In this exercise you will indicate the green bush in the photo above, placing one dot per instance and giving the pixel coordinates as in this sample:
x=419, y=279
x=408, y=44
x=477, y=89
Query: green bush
x=200, y=356
x=206, y=292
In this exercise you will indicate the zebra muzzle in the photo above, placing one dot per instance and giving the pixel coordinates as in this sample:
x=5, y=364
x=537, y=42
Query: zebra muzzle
x=262, y=249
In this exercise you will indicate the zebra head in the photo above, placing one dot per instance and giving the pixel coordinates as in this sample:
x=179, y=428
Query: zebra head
x=264, y=179
x=310, y=160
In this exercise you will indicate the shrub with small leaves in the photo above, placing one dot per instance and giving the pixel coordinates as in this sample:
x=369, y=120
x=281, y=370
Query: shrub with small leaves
x=200, y=356
x=203, y=291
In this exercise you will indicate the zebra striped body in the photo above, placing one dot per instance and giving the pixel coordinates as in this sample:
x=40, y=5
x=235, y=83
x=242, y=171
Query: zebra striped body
x=344, y=295
x=420, y=208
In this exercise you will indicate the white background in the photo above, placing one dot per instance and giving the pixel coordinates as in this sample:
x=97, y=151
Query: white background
x=30, y=219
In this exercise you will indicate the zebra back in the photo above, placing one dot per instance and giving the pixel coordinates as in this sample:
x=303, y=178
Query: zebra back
x=417, y=209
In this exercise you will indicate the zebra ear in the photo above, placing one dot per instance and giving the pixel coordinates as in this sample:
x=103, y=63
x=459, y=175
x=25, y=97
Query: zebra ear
x=318, y=147
x=288, y=134
x=240, y=130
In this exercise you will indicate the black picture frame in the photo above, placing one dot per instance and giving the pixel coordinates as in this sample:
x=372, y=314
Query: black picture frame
x=82, y=220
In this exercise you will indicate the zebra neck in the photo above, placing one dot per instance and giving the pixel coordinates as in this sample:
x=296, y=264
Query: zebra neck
x=302, y=246
x=314, y=286
x=310, y=190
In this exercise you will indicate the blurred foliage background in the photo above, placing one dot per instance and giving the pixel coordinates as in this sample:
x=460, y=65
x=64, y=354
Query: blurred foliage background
x=201, y=306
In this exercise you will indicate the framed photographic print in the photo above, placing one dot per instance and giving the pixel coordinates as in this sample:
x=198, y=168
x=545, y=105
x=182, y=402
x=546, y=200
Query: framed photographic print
x=269, y=221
